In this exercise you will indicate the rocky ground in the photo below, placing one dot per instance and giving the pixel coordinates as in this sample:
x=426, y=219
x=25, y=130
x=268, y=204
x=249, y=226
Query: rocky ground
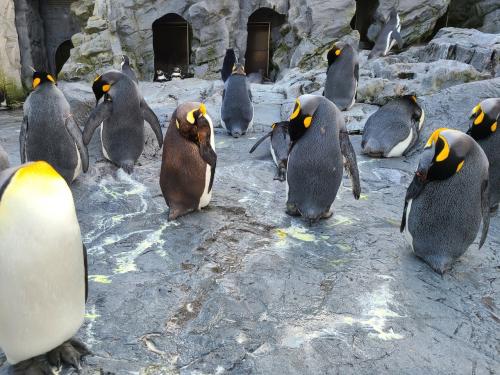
x=243, y=288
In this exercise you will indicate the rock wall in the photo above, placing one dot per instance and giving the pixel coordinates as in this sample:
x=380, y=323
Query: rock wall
x=112, y=28
x=10, y=62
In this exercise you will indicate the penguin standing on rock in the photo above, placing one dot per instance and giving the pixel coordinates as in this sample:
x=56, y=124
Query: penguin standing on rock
x=237, y=106
x=394, y=128
x=319, y=143
x=43, y=270
x=484, y=130
x=127, y=69
x=447, y=199
x=122, y=114
x=4, y=159
x=342, y=77
x=49, y=132
x=388, y=36
x=280, y=145
x=189, y=160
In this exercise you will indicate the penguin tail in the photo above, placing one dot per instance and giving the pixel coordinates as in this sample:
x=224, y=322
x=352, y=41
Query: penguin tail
x=127, y=166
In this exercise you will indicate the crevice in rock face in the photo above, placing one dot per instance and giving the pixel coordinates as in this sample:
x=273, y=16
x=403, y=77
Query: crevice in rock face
x=43, y=27
x=172, y=38
x=463, y=13
x=440, y=23
x=363, y=18
x=265, y=36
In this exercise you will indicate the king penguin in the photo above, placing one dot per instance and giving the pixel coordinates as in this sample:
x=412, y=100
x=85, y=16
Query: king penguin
x=237, y=107
x=228, y=63
x=388, y=36
x=49, y=132
x=394, y=128
x=43, y=270
x=447, y=199
x=4, y=159
x=189, y=160
x=127, y=69
x=122, y=114
x=342, y=76
x=484, y=130
x=320, y=142
x=280, y=145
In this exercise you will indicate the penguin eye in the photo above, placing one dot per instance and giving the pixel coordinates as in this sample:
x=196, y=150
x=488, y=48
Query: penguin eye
x=36, y=82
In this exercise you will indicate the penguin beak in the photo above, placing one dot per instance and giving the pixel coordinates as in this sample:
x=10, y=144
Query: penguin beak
x=425, y=164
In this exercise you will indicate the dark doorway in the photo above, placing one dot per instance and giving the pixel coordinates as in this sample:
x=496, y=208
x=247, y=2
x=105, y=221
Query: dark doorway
x=363, y=18
x=263, y=37
x=172, y=43
x=62, y=54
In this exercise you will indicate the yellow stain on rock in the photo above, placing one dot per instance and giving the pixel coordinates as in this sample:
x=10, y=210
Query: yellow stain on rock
x=102, y=279
x=297, y=233
x=91, y=316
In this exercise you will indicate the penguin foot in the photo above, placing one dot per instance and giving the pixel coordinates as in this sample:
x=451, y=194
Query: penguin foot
x=328, y=214
x=70, y=353
x=292, y=210
x=33, y=366
x=128, y=167
x=280, y=175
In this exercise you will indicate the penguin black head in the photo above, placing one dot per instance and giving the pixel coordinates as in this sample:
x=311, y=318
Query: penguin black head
x=484, y=121
x=100, y=87
x=302, y=115
x=443, y=155
x=418, y=112
x=333, y=54
x=42, y=77
x=195, y=127
x=239, y=69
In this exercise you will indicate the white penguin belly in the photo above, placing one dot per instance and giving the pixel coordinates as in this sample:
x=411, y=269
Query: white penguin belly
x=273, y=154
x=422, y=119
x=401, y=147
x=389, y=43
x=78, y=169
x=41, y=275
x=207, y=196
x=102, y=145
x=407, y=233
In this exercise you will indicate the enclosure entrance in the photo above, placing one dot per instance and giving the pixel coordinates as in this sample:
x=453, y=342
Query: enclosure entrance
x=263, y=37
x=363, y=18
x=171, y=43
x=62, y=54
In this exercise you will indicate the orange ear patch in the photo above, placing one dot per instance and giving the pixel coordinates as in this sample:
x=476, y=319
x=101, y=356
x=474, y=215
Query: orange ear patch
x=36, y=82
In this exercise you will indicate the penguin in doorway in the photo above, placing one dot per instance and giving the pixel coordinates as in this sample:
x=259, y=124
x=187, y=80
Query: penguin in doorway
x=43, y=270
x=237, y=107
x=122, y=114
x=189, y=160
x=394, y=128
x=320, y=142
x=280, y=145
x=49, y=132
x=484, y=129
x=447, y=199
x=342, y=76
x=388, y=36
x=127, y=69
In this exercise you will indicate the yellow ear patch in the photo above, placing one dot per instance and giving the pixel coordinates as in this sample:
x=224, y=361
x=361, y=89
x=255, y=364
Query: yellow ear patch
x=273, y=126
x=414, y=98
x=105, y=88
x=445, y=152
x=460, y=166
x=50, y=78
x=479, y=118
x=296, y=111
x=307, y=121
x=177, y=123
x=494, y=127
x=97, y=78
x=203, y=109
x=36, y=82
x=190, y=116
x=476, y=108
x=338, y=52
x=434, y=137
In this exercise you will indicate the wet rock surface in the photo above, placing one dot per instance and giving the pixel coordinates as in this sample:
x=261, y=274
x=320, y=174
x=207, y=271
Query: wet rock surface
x=243, y=288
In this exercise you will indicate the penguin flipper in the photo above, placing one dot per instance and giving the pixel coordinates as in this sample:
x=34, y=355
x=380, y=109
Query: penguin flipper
x=22, y=139
x=85, y=264
x=356, y=72
x=260, y=141
x=397, y=37
x=150, y=117
x=414, y=190
x=350, y=164
x=76, y=134
x=96, y=118
x=485, y=208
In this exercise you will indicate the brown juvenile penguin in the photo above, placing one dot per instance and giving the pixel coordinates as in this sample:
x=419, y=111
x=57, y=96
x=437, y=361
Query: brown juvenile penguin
x=189, y=159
